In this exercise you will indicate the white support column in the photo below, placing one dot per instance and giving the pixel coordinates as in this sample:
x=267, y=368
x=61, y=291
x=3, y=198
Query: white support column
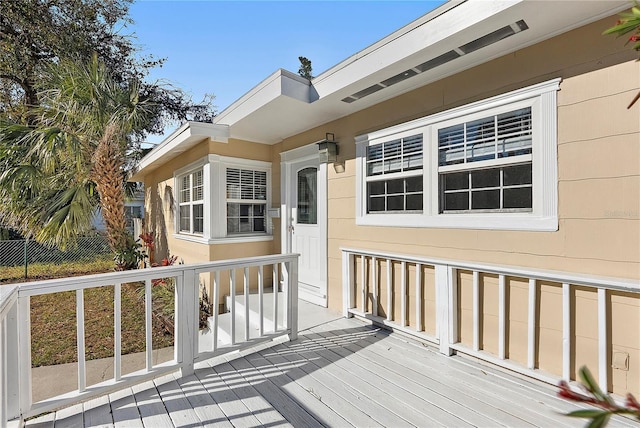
x=292, y=275
x=14, y=361
x=566, y=331
x=603, y=361
x=418, y=297
x=476, y=310
x=82, y=369
x=261, y=298
x=24, y=334
x=502, y=317
x=446, y=307
x=148, y=304
x=4, y=402
x=348, y=283
x=531, y=326
x=375, y=285
x=389, y=292
x=246, y=303
x=187, y=316
x=117, y=332
x=216, y=309
x=403, y=292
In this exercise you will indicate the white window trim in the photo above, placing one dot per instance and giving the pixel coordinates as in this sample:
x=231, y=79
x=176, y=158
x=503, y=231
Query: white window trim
x=215, y=200
x=542, y=98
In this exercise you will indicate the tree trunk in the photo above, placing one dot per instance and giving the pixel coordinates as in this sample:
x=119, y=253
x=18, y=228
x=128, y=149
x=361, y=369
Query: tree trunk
x=108, y=162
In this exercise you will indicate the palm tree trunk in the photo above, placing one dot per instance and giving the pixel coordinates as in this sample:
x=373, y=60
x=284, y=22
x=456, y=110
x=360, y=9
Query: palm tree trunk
x=108, y=162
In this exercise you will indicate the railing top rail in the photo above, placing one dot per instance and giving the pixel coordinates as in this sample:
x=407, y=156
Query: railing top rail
x=612, y=283
x=88, y=281
x=8, y=295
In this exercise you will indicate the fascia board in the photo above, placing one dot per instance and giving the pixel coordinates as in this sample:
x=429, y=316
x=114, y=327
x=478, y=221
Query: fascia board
x=413, y=40
x=281, y=83
x=186, y=136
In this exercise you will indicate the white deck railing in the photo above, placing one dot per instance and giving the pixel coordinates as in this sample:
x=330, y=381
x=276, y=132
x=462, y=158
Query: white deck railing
x=363, y=288
x=15, y=331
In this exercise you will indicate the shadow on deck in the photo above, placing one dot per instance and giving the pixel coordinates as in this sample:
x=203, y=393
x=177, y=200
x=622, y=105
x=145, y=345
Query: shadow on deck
x=340, y=372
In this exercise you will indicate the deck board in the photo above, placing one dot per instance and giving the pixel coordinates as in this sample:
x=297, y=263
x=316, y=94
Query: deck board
x=341, y=373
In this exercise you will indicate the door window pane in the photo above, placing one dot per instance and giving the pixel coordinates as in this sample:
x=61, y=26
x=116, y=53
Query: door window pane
x=308, y=196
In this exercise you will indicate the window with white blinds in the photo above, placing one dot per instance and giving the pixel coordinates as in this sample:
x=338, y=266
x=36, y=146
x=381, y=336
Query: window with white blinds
x=246, y=201
x=394, y=175
x=486, y=164
x=191, y=203
x=490, y=164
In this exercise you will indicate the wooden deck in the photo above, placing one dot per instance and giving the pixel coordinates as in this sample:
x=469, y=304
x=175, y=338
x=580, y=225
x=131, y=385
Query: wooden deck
x=340, y=373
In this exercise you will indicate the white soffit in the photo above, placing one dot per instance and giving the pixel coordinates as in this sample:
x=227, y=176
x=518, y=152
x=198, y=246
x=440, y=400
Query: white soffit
x=285, y=104
x=181, y=140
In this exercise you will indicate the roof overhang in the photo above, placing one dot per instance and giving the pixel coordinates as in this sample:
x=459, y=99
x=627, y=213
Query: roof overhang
x=181, y=140
x=285, y=104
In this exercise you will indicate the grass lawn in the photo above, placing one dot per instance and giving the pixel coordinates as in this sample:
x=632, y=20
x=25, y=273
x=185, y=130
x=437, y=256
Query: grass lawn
x=53, y=325
x=53, y=316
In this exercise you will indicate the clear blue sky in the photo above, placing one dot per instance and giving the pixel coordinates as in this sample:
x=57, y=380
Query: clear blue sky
x=227, y=47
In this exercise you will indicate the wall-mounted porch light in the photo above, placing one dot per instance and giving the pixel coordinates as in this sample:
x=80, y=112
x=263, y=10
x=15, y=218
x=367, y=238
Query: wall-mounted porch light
x=328, y=149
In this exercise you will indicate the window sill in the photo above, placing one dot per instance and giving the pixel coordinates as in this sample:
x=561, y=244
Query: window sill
x=513, y=221
x=225, y=240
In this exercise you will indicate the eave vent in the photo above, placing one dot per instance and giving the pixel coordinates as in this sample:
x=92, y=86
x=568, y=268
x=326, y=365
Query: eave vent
x=479, y=43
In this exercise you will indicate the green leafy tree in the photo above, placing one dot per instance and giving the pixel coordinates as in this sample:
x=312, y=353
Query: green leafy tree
x=37, y=33
x=56, y=173
x=305, y=69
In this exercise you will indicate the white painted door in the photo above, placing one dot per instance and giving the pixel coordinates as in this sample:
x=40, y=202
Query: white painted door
x=307, y=226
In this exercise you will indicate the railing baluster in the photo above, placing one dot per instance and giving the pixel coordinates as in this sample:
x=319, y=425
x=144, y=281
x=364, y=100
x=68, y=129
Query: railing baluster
x=531, y=348
x=232, y=296
x=363, y=279
x=476, y=310
x=375, y=285
x=246, y=303
x=148, y=307
x=418, y=297
x=287, y=295
x=82, y=370
x=216, y=299
x=603, y=363
x=403, y=299
x=260, y=298
x=502, y=317
x=348, y=283
x=566, y=331
x=117, y=332
x=24, y=334
x=389, y=292
x=276, y=285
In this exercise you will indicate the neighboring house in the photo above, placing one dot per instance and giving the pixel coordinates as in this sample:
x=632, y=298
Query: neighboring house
x=133, y=208
x=483, y=132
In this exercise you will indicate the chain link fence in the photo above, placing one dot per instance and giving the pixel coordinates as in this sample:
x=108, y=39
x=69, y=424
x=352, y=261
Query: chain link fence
x=26, y=258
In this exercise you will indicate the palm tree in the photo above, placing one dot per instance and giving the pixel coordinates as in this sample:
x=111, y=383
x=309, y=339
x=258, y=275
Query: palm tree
x=56, y=173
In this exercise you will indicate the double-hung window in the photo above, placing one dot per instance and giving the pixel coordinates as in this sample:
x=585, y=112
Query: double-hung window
x=246, y=201
x=491, y=164
x=485, y=164
x=394, y=175
x=221, y=199
x=191, y=203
